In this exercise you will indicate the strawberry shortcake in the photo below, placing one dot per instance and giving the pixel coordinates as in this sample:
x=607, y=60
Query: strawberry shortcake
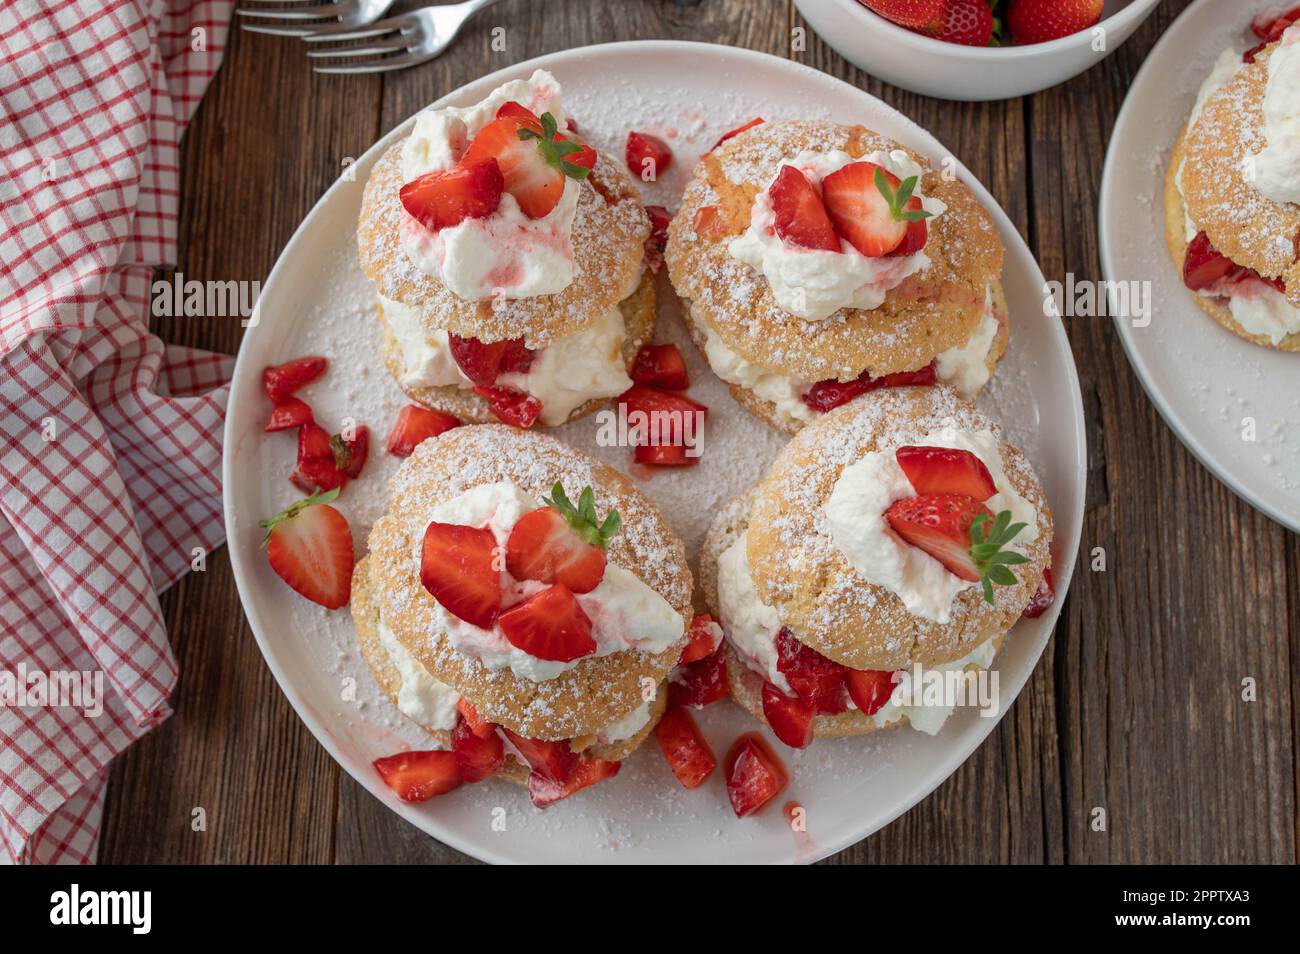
x=821, y=261
x=524, y=604
x=1232, y=190
x=899, y=530
x=508, y=257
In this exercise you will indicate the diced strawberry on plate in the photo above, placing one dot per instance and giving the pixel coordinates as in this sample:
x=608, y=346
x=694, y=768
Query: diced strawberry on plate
x=477, y=757
x=415, y=424
x=700, y=683
x=660, y=366
x=648, y=157
x=588, y=771
x=289, y=414
x=458, y=568
x=684, y=747
x=419, y=776
x=791, y=718
x=754, y=775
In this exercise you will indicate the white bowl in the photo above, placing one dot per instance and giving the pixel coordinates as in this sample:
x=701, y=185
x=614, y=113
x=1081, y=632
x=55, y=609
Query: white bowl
x=952, y=71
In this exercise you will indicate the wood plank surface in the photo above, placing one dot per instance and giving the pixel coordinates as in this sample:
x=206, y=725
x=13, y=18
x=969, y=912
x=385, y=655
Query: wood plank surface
x=1136, y=708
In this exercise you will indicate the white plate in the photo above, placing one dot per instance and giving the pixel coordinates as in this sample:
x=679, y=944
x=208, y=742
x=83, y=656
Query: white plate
x=316, y=301
x=1204, y=380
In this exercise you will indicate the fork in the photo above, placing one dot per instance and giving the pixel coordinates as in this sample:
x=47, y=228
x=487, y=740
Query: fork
x=420, y=36
x=343, y=14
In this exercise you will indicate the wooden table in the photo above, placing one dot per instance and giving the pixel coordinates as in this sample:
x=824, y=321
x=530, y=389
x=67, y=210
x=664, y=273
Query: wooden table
x=1135, y=707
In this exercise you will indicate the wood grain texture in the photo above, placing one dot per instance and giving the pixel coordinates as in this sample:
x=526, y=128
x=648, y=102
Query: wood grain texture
x=1135, y=708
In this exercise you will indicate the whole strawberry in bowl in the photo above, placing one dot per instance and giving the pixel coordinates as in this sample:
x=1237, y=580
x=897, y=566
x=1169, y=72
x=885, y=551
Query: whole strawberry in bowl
x=975, y=49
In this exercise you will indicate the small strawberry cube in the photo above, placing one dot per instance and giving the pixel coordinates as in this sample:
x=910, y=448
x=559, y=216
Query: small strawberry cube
x=511, y=407
x=702, y=639
x=282, y=381
x=419, y=776
x=479, y=725
x=290, y=414
x=790, y=717
x=755, y=775
x=588, y=771
x=554, y=760
x=648, y=157
x=477, y=757
x=700, y=683
x=414, y=424
x=684, y=748
x=709, y=223
x=660, y=366
x=663, y=455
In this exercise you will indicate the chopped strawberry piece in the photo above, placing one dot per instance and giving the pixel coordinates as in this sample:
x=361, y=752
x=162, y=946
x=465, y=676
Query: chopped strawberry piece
x=289, y=414
x=518, y=111
x=588, y=771
x=309, y=546
x=479, y=725
x=647, y=156
x=702, y=639
x=543, y=546
x=549, y=625
x=659, y=416
x=736, y=132
x=685, y=748
x=657, y=241
x=827, y=395
x=791, y=718
x=870, y=689
x=458, y=568
x=700, y=683
x=1044, y=597
x=350, y=454
x=755, y=775
x=1204, y=265
x=419, y=776
x=1270, y=25
x=444, y=198
x=945, y=470
x=281, y=381
x=663, y=455
x=484, y=363
x=553, y=760
x=511, y=407
x=816, y=680
x=708, y=223
x=801, y=218
x=415, y=424
x=940, y=525
x=660, y=366
x=317, y=468
x=477, y=757
x=860, y=210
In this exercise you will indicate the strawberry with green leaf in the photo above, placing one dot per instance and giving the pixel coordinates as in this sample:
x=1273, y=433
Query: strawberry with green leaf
x=534, y=159
x=874, y=211
x=561, y=543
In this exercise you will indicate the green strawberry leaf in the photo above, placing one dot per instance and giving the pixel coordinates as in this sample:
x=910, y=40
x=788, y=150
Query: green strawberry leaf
x=987, y=541
x=582, y=518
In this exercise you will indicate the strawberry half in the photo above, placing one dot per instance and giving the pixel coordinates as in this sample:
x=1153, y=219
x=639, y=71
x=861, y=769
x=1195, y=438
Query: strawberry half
x=419, y=776
x=702, y=639
x=945, y=470
x=731, y=134
x=549, y=625
x=801, y=218
x=280, y=382
x=870, y=689
x=458, y=568
x=289, y=414
x=484, y=363
x=1044, y=597
x=870, y=207
x=479, y=725
x=415, y=424
x=827, y=395
x=700, y=683
x=657, y=240
x=561, y=543
x=755, y=775
x=533, y=158
x=588, y=771
x=791, y=718
x=685, y=748
x=444, y=198
x=1204, y=265
x=511, y=407
x=309, y=546
x=660, y=366
x=553, y=760
x=648, y=157
x=816, y=680
x=477, y=757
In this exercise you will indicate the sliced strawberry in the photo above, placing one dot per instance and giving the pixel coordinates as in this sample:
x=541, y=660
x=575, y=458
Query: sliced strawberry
x=477, y=757
x=663, y=455
x=657, y=241
x=289, y=414
x=350, y=455
x=588, y=771
x=870, y=689
x=945, y=470
x=553, y=760
x=415, y=424
x=660, y=366
x=458, y=568
x=1044, y=597
x=940, y=525
x=700, y=683
x=542, y=546
x=827, y=395
x=549, y=625
x=755, y=775
x=534, y=159
x=444, y=198
x=816, y=680
x=648, y=157
x=736, y=132
x=917, y=234
x=309, y=545
x=801, y=218
x=1204, y=265
x=281, y=381
x=702, y=639
x=511, y=407
x=479, y=725
x=517, y=111
x=708, y=223
x=860, y=211
x=484, y=363
x=791, y=718
x=664, y=413
x=418, y=776
x=317, y=468
x=685, y=748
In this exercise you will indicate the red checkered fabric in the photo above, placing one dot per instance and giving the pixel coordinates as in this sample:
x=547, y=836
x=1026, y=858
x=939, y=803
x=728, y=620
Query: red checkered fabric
x=110, y=440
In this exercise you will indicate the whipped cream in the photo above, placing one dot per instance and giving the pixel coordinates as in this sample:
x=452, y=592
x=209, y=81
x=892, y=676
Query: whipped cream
x=966, y=367
x=1262, y=310
x=930, y=718
x=866, y=489
x=1276, y=170
x=421, y=697
x=624, y=612
x=626, y=727
x=812, y=283
x=426, y=355
x=751, y=625
x=505, y=254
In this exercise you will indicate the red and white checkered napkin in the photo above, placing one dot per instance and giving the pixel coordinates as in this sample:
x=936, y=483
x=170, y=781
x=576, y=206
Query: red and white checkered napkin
x=110, y=440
